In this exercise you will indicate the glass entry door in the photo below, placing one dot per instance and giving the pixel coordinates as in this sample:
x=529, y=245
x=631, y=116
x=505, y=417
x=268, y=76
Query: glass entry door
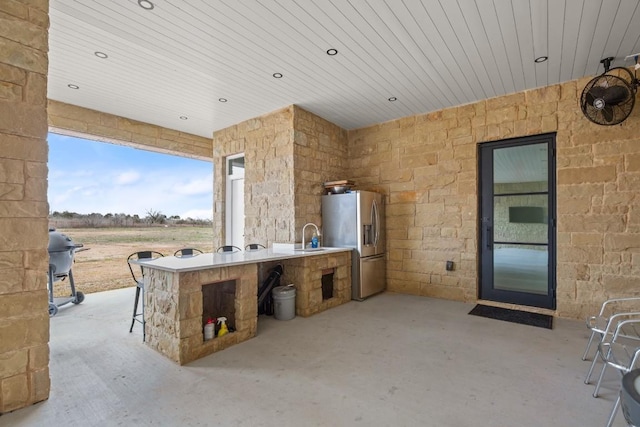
x=517, y=221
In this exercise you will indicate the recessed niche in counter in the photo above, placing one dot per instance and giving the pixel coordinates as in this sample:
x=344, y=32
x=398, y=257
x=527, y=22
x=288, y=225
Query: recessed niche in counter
x=219, y=300
x=327, y=283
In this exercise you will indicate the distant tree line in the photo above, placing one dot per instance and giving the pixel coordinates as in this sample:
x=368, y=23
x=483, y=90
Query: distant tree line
x=153, y=217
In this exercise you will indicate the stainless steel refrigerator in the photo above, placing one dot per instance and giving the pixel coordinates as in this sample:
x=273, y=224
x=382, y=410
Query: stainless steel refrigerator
x=356, y=220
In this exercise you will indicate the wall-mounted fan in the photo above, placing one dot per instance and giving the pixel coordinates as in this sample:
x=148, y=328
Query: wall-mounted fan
x=609, y=98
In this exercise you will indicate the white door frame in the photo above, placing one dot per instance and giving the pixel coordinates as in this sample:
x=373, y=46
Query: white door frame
x=234, y=211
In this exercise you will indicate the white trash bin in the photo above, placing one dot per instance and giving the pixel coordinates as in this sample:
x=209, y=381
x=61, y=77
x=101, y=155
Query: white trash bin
x=284, y=301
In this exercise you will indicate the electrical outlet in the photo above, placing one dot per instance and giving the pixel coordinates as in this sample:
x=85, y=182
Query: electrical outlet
x=449, y=266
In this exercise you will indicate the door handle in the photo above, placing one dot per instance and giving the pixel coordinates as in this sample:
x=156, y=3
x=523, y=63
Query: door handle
x=376, y=228
x=487, y=237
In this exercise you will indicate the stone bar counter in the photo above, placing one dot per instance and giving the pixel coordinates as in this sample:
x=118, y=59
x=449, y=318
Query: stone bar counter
x=181, y=292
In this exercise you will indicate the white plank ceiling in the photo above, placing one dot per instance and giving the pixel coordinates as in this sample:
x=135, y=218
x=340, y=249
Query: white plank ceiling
x=181, y=58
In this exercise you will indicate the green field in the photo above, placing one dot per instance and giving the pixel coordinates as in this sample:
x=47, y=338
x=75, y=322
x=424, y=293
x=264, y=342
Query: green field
x=103, y=266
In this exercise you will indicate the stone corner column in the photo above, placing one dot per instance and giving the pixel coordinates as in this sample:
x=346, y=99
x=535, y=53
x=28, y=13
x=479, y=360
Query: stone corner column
x=24, y=320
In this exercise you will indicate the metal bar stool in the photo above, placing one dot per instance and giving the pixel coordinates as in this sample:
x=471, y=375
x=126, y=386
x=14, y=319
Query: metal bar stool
x=138, y=279
x=186, y=252
x=254, y=247
x=229, y=248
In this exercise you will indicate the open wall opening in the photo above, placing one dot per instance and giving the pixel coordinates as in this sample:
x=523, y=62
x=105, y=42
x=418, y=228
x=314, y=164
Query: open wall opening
x=115, y=200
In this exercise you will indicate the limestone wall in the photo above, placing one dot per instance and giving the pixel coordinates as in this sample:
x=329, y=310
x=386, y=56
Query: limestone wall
x=82, y=122
x=174, y=307
x=320, y=155
x=267, y=144
x=288, y=154
x=24, y=319
x=427, y=167
x=306, y=275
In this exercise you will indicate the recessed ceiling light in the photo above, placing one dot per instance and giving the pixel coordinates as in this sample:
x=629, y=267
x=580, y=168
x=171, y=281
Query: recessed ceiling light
x=101, y=55
x=540, y=59
x=222, y=99
x=145, y=4
x=332, y=52
x=183, y=117
x=277, y=75
x=72, y=86
x=393, y=98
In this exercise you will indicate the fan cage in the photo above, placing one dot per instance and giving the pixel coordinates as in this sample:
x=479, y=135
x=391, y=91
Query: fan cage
x=620, y=111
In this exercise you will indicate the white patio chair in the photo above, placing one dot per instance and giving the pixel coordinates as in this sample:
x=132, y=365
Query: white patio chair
x=614, y=309
x=617, y=327
x=621, y=353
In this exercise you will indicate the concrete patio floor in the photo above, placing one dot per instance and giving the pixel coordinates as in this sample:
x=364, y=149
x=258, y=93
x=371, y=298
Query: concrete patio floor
x=392, y=360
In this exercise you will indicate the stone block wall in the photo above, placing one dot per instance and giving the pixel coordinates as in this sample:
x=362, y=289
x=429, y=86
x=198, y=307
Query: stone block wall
x=288, y=155
x=320, y=155
x=24, y=319
x=267, y=144
x=82, y=122
x=173, y=310
x=426, y=165
x=306, y=274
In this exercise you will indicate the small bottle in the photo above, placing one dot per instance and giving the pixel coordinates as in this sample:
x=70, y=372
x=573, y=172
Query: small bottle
x=314, y=240
x=209, y=330
x=223, y=326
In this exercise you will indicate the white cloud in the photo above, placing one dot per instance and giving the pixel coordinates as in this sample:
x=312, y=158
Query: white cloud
x=201, y=185
x=107, y=182
x=198, y=214
x=156, y=191
x=69, y=174
x=126, y=178
x=59, y=197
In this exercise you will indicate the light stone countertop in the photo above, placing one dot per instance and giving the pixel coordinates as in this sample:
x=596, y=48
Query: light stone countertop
x=225, y=259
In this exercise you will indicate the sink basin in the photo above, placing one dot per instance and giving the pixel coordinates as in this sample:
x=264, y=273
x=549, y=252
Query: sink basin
x=294, y=247
x=285, y=247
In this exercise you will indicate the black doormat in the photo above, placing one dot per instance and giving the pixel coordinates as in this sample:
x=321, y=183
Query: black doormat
x=515, y=316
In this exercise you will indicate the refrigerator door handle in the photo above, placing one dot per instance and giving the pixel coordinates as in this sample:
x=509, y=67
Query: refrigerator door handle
x=376, y=222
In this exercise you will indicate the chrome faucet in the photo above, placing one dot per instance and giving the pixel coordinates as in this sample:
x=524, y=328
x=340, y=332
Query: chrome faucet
x=303, y=230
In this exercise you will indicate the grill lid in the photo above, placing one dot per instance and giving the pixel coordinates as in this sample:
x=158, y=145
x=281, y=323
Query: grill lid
x=59, y=242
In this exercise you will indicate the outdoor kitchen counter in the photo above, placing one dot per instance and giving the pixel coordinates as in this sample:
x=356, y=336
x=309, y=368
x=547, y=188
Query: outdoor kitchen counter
x=181, y=294
x=226, y=259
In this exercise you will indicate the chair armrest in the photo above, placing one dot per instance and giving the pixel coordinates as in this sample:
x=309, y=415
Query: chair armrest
x=634, y=359
x=613, y=300
x=621, y=325
x=614, y=322
x=592, y=321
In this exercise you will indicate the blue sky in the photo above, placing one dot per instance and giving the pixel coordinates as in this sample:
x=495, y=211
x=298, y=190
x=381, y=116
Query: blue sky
x=88, y=176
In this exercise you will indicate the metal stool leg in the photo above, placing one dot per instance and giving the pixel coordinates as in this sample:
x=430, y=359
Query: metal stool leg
x=586, y=350
x=139, y=280
x=597, y=389
x=144, y=325
x=614, y=412
x=593, y=365
x=135, y=309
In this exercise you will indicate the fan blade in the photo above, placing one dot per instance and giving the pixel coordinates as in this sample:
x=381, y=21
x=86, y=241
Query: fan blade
x=615, y=95
x=607, y=113
x=596, y=92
